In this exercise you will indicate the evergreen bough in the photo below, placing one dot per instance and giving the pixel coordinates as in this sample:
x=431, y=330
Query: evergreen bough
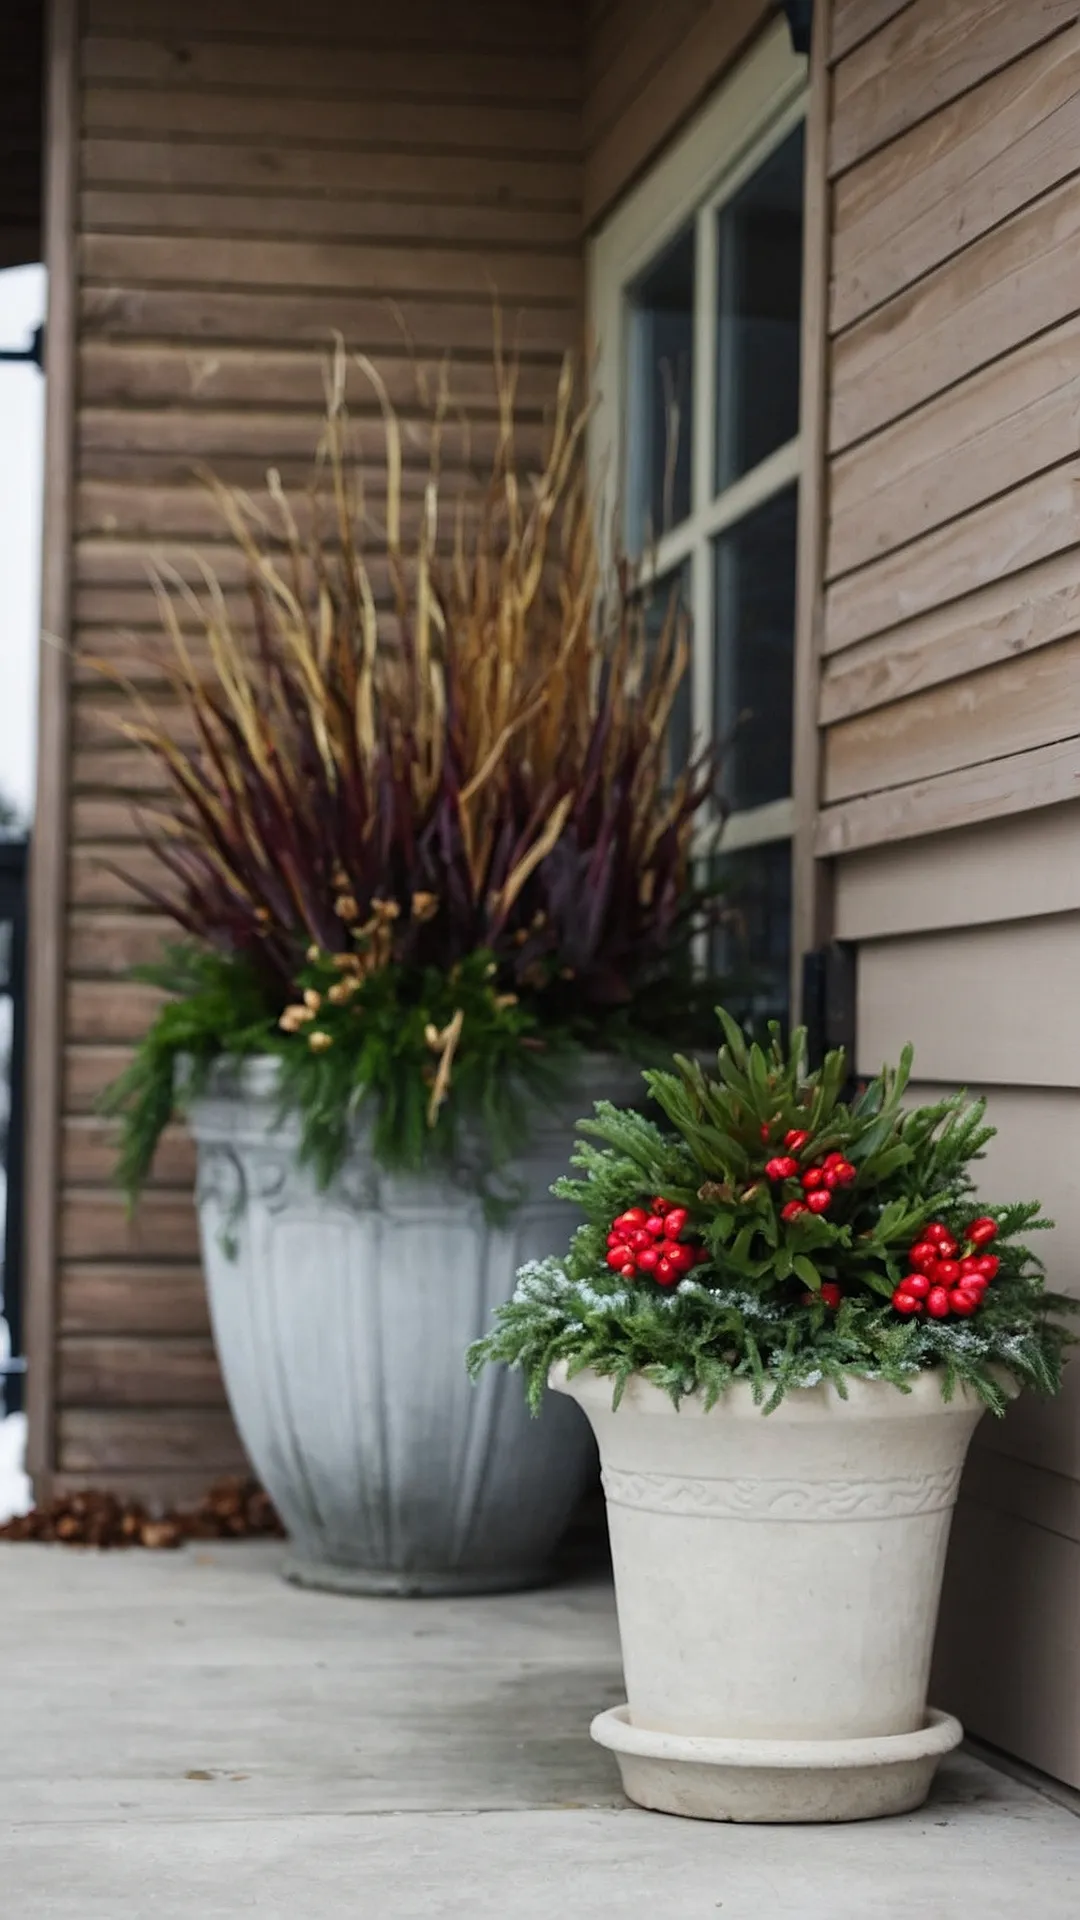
x=754, y=1310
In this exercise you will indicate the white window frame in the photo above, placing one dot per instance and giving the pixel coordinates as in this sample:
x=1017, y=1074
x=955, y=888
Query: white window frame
x=743, y=121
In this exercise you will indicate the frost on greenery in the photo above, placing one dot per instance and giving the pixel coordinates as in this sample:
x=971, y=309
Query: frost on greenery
x=754, y=1310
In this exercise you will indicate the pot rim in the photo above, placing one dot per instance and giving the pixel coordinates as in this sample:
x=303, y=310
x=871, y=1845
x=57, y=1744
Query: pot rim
x=865, y=1399
x=255, y=1077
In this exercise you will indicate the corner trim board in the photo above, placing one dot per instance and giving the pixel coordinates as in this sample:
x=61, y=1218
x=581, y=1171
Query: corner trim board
x=48, y=856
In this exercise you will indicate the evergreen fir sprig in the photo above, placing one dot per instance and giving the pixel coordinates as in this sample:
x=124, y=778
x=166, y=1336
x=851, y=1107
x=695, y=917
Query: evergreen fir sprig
x=384, y=1044
x=782, y=1298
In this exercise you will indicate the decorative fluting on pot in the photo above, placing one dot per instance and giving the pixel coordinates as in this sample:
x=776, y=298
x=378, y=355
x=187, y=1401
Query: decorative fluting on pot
x=341, y=1320
x=778, y=1579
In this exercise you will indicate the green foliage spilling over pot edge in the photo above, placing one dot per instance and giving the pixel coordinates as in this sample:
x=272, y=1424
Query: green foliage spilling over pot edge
x=772, y=1288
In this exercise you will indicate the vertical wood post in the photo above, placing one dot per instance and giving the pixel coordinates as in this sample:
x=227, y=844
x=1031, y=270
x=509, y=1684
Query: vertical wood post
x=48, y=856
x=811, y=878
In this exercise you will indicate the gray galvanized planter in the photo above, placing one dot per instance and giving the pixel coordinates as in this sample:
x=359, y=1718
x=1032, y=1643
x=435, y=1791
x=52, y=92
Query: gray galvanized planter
x=341, y=1321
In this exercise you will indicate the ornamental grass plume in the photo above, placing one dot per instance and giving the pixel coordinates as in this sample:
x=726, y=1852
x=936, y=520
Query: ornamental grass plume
x=437, y=753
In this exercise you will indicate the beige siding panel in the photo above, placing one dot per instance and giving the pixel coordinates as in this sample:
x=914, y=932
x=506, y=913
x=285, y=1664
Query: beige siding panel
x=96, y=1224
x=1034, y=608
x=855, y=20
x=374, y=321
x=926, y=56
x=110, y=1010
x=624, y=44
x=950, y=703
x=417, y=24
x=1043, y=777
x=115, y=877
x=1044, y=1499
x=369, y=124
x=102, y=1441
x=1017, y=1165
x=223, y=435
x=1006, y=709
x=985, y=1006
x=935, y=190
x=229, y=377
x=325, y=265
x=1043, y=1436
x=113, y=943
x=260, y=173
x=1037, y=1435
x=1003, y=537
x=116, y=769
x=245, y=215
x=88, y=1155
x=128, y=1299
x=362, y=74
x=87, y=1072
x=107, y=819
x=165, y=1371
x=1002, y=870
x=1037, y=1155
x=696, y=50
x=414, y=24
x=96, y=718
x=1011, y=1603
x=1005, y=288
x=248, y=186
x=108, y=509
x=1009, y=421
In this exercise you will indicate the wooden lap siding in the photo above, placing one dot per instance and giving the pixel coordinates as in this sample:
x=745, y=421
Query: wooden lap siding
x=647, y=66
x=949, y=701
x=249, y=180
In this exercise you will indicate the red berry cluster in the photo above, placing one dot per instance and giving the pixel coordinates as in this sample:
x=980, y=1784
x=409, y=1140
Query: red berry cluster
x=945, y=1279
x=830, y=1293
x=819, y=1183
x=651, y=1244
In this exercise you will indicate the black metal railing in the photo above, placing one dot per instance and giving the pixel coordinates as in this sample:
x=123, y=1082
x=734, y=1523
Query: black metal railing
x=13, y=872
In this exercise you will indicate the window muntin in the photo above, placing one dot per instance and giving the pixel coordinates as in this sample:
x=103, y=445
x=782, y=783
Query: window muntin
x=709, y=479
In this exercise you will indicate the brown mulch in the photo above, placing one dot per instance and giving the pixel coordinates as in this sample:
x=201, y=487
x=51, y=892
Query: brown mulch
x=234, y=1509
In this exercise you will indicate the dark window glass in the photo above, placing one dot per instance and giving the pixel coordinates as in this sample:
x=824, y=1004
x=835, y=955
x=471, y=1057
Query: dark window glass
x=664, y=599
x=752, y=944
x=759, y=287
x=660, y=389
x=754, y=642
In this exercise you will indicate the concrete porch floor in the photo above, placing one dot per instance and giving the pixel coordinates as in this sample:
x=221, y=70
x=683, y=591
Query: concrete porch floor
x=187, y=1738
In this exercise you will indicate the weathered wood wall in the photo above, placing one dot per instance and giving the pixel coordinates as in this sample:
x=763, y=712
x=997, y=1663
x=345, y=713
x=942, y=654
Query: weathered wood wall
x=647, y=67
x=950, y=695
x=250, y=179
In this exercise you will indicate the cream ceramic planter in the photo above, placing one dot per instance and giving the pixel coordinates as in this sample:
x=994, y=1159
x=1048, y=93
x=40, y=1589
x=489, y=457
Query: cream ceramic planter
x=341, y=1322
x=778, y=1579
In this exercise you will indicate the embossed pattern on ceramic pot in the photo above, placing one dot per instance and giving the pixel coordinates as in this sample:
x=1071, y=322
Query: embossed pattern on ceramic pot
x=341, y=1322
x=779, y=1574
x=778, y=1579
